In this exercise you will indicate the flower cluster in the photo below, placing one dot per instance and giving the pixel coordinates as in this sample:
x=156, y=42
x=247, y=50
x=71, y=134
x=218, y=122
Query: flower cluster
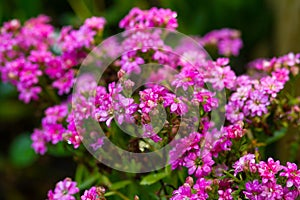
x=52, y=128
x=265, y=180
x=66, y=189
x=269, y=179
x=33, y=58
x=253, y=94
x=155, y=17
x=223, y=160
x=227, y=41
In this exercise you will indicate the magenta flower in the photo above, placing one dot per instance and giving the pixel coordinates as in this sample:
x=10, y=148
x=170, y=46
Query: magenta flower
x=245, y=163
x=90, y=194
x=183, y=147
x=131, y=63
x=225, y=194
x=227, y=40
x=268, y=170
x=271, y=86
x=28, y=94
x=292, y=174
x=199, y=163
x=95, y=23
x=149, y=132
x=202, y=186
x=176, y=104
x=64, y=190
x=207, y=100
x=257, y=104
x=65, y=83
x=188, y=77
x=281, y=75
x=233, y=112
x=94, y=193
x=155, y=17
x=184, y=192
x=271, y=190
x=39, y=141
x=253, y=190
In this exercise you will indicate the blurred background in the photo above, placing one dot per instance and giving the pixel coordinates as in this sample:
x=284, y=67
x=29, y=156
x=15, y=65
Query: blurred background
x=268, y=27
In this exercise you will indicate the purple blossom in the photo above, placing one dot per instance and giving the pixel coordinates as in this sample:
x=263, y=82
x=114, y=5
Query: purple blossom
x=90, y=194
x=188, y=77
x=202, y=186
x=271, y=86
x=64, y=83
x=292, y=174
x=114, y=105
x=225, y=194
x=227, y=40
x=39, y=141
x=183, y=147
x=271, y=190
x=207, y=100
x=257, y=104
x=149, y=132
x=199, y=163
x=253, y=190
x=268, y=170
x=176, y=104
x=130, y=63
x=155, y=17
x=245, y=163
x=64, y=190
x=95, y=23
x=184, y=192
x=233, y=111
x=28, y=94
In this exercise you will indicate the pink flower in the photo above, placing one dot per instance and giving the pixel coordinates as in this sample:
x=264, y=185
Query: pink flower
x=257, y=104
x=64, y=190
x=149, y=132
x=207, y=100
x=292, y=174
x=268, y=170
x=271, y=86
x=253, y=190
x=245, y=163
x=64, y=83
x=94, y=193
x=90, y=194
x=130, y=63
x=201, y=186
x=225, y=194
x=39, y=141
x=183, y=192
x=199, y=163
x=28, y=94
x=227, y=40
x=95, y=23
x=176, y=104
x=182, y=149
x=271, y=190
x=155, y=17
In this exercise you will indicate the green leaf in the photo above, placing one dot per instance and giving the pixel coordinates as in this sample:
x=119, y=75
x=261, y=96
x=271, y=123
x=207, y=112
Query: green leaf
x=277, y=135
x=80, y=172
x=88, y=182
x=120, y=184
x=107, y=194
x=59, y=150
x=153, y=178
x=21, y=154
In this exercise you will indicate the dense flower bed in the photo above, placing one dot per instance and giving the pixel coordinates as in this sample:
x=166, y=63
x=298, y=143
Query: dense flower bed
x=216, y=162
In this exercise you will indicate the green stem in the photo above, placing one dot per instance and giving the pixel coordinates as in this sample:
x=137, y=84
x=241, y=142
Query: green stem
x=231, y=176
